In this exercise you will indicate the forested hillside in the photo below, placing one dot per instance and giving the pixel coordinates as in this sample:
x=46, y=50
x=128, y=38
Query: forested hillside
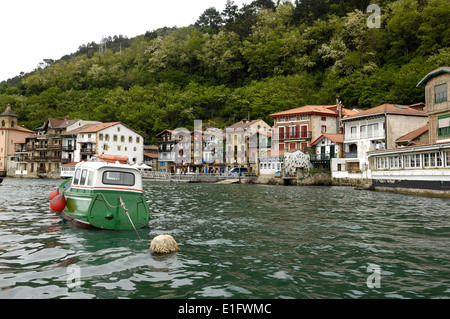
x=259, y=59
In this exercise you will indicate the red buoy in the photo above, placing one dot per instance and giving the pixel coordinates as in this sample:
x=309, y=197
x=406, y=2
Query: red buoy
x=53, y=194
x=58, y=203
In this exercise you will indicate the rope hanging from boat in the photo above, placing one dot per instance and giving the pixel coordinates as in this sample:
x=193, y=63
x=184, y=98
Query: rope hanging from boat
x=122, y=204
x=128, y=215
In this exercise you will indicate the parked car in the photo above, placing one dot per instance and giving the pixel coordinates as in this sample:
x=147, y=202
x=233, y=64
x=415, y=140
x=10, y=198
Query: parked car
x=235, y=170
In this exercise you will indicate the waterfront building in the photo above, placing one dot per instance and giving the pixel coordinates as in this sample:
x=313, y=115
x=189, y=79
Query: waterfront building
x=10, y=134
x=238, y=146
x=374, y=129
x=114, y=138
x=437, y=86
x=298, y=127
x=69, y=138
x=420, y=167
x=213, y=151
x=44, y=149
x=166, y=158
x=271, y=164
x=151, y=156
x=325, y=148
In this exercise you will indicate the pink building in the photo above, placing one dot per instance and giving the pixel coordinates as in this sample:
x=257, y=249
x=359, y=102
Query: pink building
x=10, y=133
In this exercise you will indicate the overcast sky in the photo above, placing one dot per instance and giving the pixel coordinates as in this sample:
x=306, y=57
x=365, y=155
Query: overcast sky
x=33, y=30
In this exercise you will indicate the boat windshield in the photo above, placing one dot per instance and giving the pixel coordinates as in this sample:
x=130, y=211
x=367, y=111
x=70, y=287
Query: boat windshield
x=118, y=178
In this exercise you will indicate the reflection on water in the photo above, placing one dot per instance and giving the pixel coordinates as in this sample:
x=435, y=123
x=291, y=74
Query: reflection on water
x=236, y=241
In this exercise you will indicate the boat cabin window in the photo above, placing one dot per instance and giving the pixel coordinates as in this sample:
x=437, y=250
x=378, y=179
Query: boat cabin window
x=90, y=179
x=118, y=178
x=76, y=177
x=83, y=177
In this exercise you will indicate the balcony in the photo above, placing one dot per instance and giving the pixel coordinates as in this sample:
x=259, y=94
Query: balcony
x=41, y=147
x=54, y=146
x=20, y=148
x=69, y=148
x=351, y=155
x=66, y=160
x=39, y=158
x=295, y=135
x=87, y=150
x=319, y=157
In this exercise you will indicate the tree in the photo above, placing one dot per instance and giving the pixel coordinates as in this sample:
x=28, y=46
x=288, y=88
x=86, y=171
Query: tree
x=210, y=20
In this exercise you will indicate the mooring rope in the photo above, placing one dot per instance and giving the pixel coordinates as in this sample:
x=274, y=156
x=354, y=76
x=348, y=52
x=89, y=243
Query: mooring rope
x=122, y=204
x=128, y=215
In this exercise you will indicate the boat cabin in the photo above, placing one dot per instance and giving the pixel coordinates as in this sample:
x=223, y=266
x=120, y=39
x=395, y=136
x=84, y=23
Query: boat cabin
x=101, y=176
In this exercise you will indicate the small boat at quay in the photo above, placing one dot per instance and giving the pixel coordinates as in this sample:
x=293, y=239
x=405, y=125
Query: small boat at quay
x=103, y=193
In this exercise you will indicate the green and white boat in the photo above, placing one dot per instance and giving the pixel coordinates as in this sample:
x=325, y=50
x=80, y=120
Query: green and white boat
x=105, y=195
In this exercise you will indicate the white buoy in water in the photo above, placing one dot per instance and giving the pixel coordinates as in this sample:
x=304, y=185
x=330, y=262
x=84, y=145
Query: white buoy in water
x=164, y=244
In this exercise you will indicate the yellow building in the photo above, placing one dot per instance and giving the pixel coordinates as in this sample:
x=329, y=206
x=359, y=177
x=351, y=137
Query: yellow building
x=10, y=133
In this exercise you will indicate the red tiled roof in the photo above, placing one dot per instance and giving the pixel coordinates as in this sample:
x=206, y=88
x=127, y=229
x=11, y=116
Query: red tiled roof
x=151, y=155
x=244, y=123
x=389, y=108
x=413, y=135
x=98, y=127
x=329, y=110
x=335, y=138
x=170, y=131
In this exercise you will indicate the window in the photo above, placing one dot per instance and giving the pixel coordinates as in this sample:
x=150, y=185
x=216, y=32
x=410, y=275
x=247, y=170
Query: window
x=83, y=177
x=447, y=158
x=130, y=139
x=122, y=138
x=76, y=178
x=115, y=138
x=363, y=130
x=90, y=179
x=100, y=137
x=105, y=147
x=323, y=118
x=353, y=132
x=382, y=163
x=138, y=140
x=395, y=162
x=324, y=129
x=439, y=160
x=106, y=137
x=426, y=160
x=444, y=125
x=440, y=93
x=118, y=178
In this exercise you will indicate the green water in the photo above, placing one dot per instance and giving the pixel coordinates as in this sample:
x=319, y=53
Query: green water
x=236, y=241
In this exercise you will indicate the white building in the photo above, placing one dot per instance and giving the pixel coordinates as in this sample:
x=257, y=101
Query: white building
x=113, y=138
x=69, y=138
x=374, y=129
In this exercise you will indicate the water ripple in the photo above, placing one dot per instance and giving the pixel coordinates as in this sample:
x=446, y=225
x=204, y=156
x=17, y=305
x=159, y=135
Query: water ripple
x=236, y=241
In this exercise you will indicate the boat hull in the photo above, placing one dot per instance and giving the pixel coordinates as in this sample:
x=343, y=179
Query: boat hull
x=104, y=209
